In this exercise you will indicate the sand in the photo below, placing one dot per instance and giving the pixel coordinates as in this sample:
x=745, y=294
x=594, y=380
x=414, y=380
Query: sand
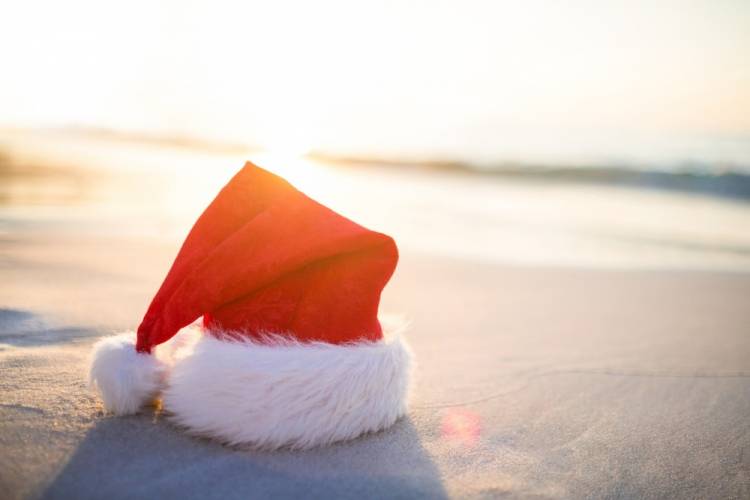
x=532, y=383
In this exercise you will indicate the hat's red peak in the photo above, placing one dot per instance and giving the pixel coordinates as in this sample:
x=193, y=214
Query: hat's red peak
x=263, y=258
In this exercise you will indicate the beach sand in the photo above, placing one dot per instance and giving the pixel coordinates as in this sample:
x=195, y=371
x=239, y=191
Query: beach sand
x=534, y=379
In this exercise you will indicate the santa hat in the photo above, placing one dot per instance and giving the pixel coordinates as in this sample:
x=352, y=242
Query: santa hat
x=290, y=351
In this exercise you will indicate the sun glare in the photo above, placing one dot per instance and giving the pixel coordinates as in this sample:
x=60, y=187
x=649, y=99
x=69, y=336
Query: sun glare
x=495, y=91
x=287, y=147
x=291, y=164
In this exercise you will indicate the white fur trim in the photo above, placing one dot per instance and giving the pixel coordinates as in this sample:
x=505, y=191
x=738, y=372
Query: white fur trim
x=283, y=393
x=125, y=379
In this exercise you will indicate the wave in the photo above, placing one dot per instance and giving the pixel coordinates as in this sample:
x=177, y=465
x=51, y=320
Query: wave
x=726, y=184
x=725, y=181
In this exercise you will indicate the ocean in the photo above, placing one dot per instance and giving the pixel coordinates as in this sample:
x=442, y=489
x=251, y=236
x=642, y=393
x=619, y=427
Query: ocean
x=612, y=216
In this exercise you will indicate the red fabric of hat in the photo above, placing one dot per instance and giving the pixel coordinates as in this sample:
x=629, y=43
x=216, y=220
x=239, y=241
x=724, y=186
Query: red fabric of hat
x=264, y=257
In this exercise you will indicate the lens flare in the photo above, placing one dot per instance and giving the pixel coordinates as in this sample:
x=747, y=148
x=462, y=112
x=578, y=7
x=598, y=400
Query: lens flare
x=461, y=427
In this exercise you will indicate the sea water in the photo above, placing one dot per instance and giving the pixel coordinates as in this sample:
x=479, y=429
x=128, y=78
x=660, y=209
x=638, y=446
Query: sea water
x=108, y=186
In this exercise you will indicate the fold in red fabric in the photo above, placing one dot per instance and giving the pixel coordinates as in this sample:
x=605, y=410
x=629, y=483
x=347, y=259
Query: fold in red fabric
x=265, y=258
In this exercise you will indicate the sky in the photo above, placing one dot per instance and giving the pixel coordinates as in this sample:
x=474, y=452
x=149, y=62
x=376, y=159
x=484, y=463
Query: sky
x=544, y=81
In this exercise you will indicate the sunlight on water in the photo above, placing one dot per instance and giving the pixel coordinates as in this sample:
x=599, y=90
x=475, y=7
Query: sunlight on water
x=310, y=177
x=138, y=190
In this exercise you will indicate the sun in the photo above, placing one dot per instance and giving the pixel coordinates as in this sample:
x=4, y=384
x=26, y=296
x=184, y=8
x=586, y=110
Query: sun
x=287, y=147
x=289, y=162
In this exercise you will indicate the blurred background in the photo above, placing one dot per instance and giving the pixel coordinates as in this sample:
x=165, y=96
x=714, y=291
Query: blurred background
x=583, y=133
x=568, y=183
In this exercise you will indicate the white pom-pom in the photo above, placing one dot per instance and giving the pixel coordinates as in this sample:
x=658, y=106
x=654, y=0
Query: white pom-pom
x=125, y=378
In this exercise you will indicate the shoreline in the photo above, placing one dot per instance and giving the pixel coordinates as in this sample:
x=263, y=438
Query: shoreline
x=718, y=180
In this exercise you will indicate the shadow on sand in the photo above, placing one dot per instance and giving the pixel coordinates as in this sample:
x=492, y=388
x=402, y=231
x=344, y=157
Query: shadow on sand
x=140, y=457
